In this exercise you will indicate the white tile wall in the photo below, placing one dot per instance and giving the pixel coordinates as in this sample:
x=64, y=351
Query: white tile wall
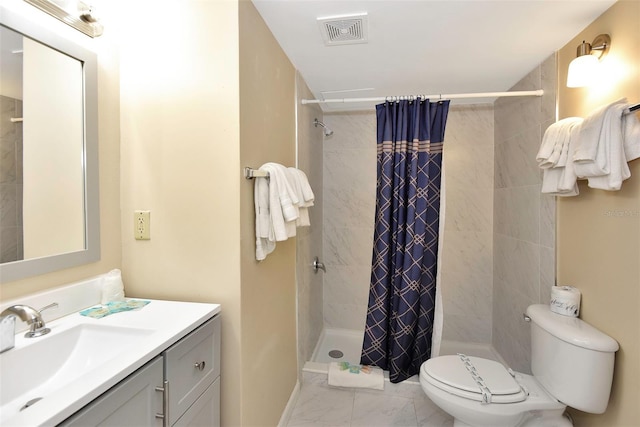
x=349, y=208
x=524, y=219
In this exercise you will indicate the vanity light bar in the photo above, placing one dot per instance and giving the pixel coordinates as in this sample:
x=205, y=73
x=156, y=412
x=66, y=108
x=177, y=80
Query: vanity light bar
x=92, y=29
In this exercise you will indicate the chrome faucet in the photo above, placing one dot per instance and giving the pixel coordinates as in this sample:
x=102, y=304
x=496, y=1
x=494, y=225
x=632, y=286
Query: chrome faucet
x=32, y=316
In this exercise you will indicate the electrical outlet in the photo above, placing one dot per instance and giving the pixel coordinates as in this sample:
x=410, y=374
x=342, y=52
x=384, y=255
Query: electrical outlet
x=142, y=225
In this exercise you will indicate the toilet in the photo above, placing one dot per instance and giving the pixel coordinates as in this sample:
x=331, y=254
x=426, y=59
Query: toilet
x=572, y=364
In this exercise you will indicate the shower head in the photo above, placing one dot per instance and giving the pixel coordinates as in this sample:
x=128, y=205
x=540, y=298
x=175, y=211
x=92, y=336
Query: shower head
x=326, y=130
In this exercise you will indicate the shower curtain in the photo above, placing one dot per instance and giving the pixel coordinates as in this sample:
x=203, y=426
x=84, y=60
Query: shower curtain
x=402, y=293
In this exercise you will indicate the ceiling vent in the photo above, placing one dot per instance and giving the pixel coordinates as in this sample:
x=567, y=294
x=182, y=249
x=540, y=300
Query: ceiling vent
x=341, y=30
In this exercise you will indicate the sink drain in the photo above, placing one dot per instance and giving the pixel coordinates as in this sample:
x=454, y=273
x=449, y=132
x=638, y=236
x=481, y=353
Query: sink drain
x=29, y=403
x=336, y=354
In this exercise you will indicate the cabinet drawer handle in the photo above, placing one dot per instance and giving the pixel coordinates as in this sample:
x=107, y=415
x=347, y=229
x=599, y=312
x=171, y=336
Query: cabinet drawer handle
x=199, y=366
x=165, y=403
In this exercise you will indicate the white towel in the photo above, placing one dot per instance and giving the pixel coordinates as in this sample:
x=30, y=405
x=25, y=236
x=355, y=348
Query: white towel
x=631, y=130
x=560, y=179
x=343, y=374
x=281, y=203
x=264, y=246
x=299, y=182
x=612, y=137
x=286, y=193
x=555, y=143
x=591, y=156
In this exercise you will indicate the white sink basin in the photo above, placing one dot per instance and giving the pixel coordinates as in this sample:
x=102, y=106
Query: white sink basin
x=39, y=366
x=82, y=357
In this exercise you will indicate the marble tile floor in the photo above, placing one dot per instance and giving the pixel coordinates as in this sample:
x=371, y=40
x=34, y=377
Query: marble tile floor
x=403, y=405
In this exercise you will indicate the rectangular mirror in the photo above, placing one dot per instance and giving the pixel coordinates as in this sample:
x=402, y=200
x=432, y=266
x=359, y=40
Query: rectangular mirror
x=49, y=196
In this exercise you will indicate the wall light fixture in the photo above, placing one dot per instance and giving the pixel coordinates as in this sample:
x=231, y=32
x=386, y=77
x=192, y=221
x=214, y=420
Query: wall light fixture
x=74, y=13
x=583, y=70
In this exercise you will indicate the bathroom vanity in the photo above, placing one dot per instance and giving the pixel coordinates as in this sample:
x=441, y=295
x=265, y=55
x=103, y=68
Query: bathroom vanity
x=180, y=387
x=156, y=366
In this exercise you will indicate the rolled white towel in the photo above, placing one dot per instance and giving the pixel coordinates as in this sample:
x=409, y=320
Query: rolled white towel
x=343, y=374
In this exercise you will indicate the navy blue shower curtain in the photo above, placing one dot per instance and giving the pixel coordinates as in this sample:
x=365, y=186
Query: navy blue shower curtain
x=403, y=274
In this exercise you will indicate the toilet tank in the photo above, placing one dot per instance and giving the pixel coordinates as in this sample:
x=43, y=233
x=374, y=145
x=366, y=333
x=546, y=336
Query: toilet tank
x=571, y=359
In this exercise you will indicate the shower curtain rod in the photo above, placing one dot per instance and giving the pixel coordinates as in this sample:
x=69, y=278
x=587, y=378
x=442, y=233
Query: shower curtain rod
x=538, y=92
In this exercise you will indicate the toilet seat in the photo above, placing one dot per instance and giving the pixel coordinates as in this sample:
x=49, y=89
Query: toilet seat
x=473, y=378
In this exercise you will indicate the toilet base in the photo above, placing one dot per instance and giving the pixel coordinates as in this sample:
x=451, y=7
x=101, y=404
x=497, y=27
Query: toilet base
x=535, y=419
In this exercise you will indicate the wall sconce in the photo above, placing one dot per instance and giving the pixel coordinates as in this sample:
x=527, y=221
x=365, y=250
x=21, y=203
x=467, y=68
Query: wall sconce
x=583, y=69
x=74, y=13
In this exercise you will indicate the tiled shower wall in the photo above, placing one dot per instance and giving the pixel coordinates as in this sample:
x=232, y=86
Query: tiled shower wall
x=349, y=207
x=466, y=273
x=524, y=219
x=10, y=180
x=349, y=183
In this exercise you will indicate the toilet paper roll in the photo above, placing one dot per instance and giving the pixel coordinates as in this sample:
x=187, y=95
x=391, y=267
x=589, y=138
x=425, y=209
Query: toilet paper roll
x=565, y=300
x=112, y=287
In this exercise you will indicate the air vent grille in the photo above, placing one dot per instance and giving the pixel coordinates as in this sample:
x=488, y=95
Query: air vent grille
x=340, y=30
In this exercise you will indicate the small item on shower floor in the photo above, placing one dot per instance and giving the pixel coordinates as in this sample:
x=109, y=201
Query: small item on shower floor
x=336, y=354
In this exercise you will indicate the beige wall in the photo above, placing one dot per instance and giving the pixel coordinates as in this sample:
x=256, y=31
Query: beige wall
x=109, y=155
x=170, y=142
x=180, y=160
x=599, y=231
x=267, y=134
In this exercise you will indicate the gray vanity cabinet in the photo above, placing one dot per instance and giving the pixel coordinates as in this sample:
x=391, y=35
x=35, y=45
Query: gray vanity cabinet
x=180, y=387
x=133, y=402
x=191, y=367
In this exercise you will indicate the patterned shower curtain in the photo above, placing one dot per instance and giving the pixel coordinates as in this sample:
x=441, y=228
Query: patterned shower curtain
x=403, y=274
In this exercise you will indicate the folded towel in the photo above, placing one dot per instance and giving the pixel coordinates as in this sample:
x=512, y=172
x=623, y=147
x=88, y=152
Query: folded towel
x=281, y=204
x=560, y=179
x=264, y=245
x=282, y=212
x=555, y=143
x=612, y=136
x=343, y=374
x=286, y=193
x=631, y=130
x=591, y=155
x=300, y=183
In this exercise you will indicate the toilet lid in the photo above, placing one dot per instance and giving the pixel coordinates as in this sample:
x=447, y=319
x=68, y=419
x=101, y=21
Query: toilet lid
x=465, y=377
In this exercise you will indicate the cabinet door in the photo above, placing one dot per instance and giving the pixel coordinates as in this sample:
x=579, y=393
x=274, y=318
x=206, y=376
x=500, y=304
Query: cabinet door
x=133, y=402
x=205, y=412
x=191, y=365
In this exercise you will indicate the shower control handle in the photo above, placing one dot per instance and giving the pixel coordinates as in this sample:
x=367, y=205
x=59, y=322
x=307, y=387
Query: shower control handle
x=317, y=265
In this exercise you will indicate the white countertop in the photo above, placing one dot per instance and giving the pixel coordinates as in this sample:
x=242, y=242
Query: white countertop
x=167, y=321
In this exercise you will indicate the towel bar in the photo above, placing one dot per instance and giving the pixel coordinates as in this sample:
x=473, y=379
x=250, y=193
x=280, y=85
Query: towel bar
x=250, y=173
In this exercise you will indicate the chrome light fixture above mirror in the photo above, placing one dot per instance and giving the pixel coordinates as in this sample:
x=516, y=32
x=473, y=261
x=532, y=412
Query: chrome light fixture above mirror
x=583, y=70
x=76, y=14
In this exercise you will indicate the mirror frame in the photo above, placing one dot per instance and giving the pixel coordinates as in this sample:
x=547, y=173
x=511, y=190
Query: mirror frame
x=91, y=253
